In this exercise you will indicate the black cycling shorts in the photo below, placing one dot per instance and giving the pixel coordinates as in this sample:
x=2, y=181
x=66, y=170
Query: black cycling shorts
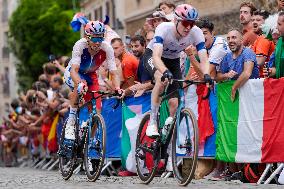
x=173, y=66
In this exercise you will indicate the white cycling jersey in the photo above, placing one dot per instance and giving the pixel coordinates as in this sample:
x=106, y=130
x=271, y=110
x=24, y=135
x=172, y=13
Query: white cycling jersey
x=217, y=51
x=165, y=37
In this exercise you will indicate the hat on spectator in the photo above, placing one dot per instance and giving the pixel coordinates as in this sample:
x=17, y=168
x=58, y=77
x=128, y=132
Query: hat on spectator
x=158, y=14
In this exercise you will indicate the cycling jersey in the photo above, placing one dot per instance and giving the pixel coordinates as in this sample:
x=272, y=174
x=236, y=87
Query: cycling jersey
x=82, y=57
x=217, y=51
x=88, y=64
x=165, y=37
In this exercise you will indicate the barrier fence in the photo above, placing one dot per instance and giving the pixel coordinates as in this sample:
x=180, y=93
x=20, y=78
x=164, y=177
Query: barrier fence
x=248, y=129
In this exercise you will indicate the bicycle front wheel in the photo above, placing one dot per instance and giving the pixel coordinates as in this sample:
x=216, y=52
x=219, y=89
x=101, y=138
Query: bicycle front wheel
x=66, y=164
x=185, y=147
x=95, y=148
x=147, y=153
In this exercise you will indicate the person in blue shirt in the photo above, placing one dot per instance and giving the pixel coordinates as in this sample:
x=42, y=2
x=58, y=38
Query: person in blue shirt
x=240, y=64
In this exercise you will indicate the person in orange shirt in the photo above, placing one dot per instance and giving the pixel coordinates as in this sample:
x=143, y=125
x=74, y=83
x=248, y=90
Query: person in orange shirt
x=246, y=11
x=262, y=47
x=128, y=63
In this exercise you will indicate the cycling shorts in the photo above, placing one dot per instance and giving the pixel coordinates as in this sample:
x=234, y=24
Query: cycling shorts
x=173, y=66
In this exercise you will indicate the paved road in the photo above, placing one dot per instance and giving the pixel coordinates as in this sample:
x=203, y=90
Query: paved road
x=38, y=179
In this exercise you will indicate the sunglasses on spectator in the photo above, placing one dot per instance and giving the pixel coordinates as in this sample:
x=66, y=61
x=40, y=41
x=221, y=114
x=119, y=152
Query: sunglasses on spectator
x=96, y=39
x=186, y=23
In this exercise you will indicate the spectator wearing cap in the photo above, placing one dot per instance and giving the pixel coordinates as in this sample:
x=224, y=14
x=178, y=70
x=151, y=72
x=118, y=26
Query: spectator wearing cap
x=157, y=18
x=262, y=47
x=168, y=8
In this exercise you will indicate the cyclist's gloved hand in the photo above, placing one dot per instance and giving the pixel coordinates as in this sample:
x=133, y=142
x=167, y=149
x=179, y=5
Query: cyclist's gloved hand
x=208, y=79
x=167, y=74
x=119, y=92
x=82, y=88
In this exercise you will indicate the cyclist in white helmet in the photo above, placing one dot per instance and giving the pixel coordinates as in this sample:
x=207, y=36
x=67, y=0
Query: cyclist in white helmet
x=88, y=54
x=163, y=54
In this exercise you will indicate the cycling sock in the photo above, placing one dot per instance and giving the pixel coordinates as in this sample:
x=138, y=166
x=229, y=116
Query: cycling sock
x=153, y=115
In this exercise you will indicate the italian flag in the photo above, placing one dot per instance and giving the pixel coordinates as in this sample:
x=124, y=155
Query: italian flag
x=205, y=112
x=133, y=110
x=251, y=129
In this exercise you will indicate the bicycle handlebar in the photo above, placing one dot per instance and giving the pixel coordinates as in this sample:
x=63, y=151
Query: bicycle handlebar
x=188, y=83
x=103, y=93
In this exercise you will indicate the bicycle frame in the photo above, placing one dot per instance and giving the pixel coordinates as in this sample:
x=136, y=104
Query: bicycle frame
x=177, y=115
x=166, y=140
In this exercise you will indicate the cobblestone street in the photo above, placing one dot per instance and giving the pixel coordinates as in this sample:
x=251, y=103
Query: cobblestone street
x=34, y=178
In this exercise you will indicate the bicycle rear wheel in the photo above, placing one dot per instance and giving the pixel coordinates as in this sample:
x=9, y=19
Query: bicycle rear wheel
x=185, y=147
x=147, y=154
x=66, y=164
x=95, y=148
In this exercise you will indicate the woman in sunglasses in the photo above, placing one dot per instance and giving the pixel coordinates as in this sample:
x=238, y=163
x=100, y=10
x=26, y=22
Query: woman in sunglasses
x=88, y=55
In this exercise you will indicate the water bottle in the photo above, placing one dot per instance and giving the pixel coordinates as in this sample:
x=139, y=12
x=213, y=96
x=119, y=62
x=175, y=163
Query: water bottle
x=167, y=125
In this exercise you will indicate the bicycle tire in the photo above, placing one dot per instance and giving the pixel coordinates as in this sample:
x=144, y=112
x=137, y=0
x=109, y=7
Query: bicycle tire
x=66, y=174
x=183, y=177
x=101, y=144
x=140, y=154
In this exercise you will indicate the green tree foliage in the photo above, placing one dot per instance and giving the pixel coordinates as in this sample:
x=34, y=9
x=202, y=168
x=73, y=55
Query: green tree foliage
x=37, y=29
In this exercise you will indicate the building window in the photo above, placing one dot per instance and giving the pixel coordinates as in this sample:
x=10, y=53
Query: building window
x=108, y=9
x=7, y=107
x=96, y=14
x=100, y=13
x=6, y=82
x=6, y=39
x=113, y=16
x=5, y=48
x=4, y=10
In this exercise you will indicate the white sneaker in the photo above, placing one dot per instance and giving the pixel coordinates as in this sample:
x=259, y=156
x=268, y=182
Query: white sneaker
x=69, y=129
x=90, y=165
x=152, y=131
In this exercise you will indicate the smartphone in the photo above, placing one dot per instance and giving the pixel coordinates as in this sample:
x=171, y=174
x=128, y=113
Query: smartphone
x=127, y=39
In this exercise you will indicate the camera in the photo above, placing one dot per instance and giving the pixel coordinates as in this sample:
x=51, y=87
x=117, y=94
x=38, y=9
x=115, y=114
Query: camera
x=51, y=57
x=127, y=39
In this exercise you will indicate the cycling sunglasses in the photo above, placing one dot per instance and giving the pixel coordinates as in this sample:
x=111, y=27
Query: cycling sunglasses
x=186, y=23
x=97, y=39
